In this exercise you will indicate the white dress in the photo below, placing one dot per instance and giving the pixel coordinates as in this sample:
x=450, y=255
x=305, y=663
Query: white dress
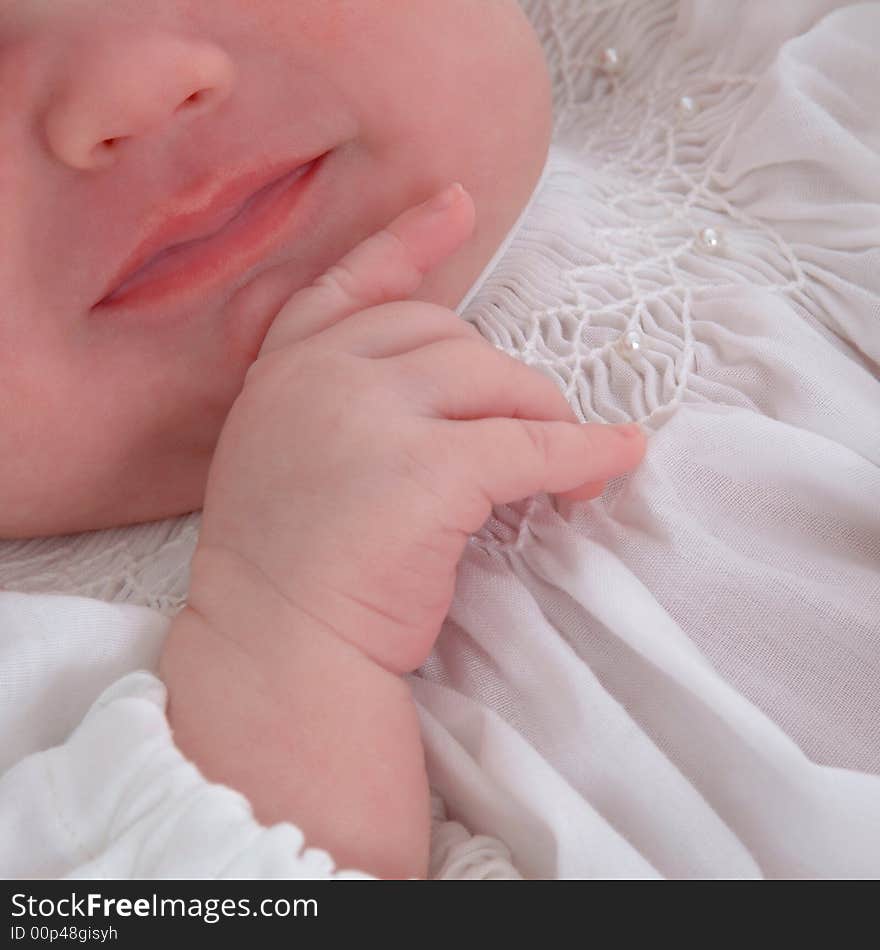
x=681, y=679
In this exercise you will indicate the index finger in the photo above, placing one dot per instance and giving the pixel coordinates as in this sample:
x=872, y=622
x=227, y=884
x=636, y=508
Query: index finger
x=389, y=265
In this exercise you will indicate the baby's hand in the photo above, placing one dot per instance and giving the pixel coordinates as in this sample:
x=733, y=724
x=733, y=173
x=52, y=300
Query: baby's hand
x=374, y=433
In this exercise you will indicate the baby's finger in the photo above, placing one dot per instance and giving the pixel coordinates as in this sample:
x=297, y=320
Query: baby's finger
x=388, y=266
x=515, y=458
x=466, y=378
x=585, y=492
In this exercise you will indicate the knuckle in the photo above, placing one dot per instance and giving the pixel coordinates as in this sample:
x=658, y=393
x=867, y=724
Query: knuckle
x=442, y=464
x=434, y=322
x=394, y=246
x=400, y=269
x=380, y=269
x=270, y=366
x=341, y=279
x=539, y=439
x=593, y=437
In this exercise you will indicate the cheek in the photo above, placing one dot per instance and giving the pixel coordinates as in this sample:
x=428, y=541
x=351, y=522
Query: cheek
x=310, y=24
x=330, y=24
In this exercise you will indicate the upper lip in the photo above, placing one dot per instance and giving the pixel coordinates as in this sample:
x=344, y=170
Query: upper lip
x=207, y=208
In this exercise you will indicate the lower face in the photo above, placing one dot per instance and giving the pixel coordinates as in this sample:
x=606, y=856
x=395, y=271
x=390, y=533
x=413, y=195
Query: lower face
x=111, y=415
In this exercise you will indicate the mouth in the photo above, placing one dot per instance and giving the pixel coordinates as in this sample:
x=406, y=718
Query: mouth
x=226, y=252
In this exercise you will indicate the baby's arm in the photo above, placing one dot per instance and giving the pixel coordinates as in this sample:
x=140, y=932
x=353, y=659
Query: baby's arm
x=269, y=701
x=371, y=439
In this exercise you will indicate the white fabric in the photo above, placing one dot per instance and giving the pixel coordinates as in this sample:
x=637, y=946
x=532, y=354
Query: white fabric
x=95, y=787
x=115, y=798
x=681, y=679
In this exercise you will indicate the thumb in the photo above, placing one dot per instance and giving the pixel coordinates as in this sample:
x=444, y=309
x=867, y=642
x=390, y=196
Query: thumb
x=388, y=266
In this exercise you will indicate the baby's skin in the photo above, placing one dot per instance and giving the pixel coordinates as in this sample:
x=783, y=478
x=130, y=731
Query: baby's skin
x=341, y=428
x=331, y=532
x=115, y=114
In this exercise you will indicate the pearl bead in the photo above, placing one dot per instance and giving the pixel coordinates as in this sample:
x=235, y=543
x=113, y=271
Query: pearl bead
x=609, y=61
x=687, y=107
x=631, y=341
x=711, y=239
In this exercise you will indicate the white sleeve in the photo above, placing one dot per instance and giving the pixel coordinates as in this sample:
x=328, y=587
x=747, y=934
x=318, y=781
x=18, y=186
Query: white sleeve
x=116, y=798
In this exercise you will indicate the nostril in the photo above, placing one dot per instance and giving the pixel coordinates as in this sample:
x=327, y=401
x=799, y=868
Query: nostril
x=195, y=99
x=103, y=154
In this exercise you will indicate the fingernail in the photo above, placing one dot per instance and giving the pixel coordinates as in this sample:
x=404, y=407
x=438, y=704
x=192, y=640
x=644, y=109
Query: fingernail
x=446, y=198
x=631, y=430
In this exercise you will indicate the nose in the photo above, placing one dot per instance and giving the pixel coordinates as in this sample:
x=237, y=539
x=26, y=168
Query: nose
x=121, y=87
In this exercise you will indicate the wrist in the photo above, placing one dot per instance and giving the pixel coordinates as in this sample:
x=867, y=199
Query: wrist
x=298, y=720
x=239, y=602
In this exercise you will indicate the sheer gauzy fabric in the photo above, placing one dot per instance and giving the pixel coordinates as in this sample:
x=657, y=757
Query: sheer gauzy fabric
x=683, y=678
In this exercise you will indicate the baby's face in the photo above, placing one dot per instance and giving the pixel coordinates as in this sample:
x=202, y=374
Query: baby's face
x=116, y=115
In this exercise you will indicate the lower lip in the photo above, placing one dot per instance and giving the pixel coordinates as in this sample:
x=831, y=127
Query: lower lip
x=216, y=259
